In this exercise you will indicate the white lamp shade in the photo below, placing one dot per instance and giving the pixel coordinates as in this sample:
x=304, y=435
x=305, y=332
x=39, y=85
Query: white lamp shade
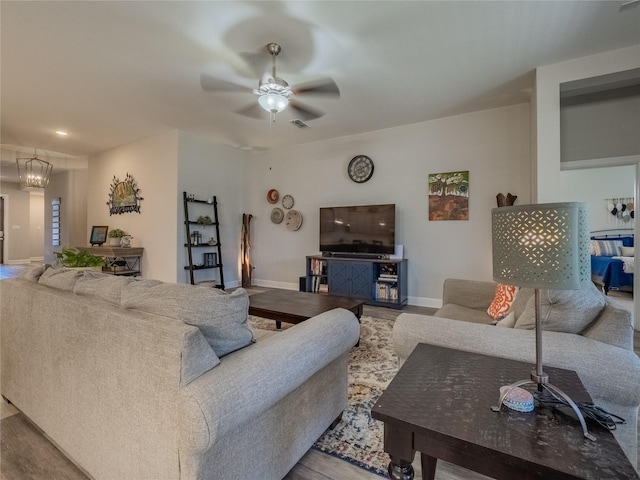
x=542, y=246
x=273, y=102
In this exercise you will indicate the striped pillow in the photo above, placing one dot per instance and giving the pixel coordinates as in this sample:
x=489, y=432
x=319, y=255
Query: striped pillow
x=605, y=248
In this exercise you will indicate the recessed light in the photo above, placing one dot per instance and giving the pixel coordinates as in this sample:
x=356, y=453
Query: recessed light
x=62, y=133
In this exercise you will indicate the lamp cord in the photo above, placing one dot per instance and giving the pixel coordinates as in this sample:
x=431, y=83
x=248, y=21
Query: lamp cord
x=608, y=420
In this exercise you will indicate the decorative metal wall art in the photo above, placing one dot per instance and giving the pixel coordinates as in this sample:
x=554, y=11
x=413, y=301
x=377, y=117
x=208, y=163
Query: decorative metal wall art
x=124, y=196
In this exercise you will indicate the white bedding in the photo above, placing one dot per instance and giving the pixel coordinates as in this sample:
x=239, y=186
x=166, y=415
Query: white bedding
x=627, y=264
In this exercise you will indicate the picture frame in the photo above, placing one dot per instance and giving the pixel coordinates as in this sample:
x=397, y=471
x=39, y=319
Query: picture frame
x=98, y=235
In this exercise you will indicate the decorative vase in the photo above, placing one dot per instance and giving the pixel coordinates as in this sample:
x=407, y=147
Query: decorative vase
x=114, y=241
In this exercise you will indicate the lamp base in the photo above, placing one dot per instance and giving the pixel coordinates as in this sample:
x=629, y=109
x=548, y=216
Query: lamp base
x=541, y=381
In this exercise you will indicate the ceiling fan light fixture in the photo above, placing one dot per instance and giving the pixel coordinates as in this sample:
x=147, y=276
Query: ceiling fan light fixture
x=273, y=102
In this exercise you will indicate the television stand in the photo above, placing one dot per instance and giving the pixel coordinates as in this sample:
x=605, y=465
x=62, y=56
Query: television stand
x=377, y=281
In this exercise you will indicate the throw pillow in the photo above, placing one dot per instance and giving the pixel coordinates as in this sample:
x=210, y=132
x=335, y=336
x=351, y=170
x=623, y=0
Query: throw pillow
x=605, y=248
x=221, y=317
x=625, y=251
x=33, y=274
x=569, y=311
x=503, y=298
x=60, y=278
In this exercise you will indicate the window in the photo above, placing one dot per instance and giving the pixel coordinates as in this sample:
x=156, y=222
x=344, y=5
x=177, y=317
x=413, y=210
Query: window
x=55, y=222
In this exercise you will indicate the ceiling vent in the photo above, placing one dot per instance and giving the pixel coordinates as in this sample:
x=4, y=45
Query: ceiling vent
x=299, y=123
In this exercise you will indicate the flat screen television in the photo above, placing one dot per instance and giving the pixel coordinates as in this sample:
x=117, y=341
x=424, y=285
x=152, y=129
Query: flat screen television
x=364, y=229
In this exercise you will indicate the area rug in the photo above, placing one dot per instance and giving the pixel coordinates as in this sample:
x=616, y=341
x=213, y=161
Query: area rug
x=358, y=438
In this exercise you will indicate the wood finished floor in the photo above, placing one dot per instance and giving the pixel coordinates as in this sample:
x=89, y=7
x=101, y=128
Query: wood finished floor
x=26, y=454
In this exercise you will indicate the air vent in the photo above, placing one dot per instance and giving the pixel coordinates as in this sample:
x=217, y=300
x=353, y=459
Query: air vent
x=299, y=123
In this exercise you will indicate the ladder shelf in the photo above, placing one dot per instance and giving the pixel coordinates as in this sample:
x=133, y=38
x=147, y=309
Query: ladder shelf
x=195, y=241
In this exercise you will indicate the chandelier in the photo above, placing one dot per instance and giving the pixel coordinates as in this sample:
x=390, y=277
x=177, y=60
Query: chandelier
x=33, y=172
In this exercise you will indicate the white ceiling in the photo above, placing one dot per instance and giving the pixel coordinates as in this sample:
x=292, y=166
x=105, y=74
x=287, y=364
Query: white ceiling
x=111, y=73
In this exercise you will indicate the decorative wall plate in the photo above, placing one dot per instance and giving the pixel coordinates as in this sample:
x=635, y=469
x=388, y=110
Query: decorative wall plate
x=287, y=201
x=277, y=215
x=272, y=196
x=293, y=220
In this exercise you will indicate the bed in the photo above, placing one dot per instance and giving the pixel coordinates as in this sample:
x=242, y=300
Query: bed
x=612, y=261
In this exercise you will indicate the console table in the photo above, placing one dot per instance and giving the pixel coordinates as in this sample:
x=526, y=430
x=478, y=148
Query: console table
x=119, y=260
x=440, y=402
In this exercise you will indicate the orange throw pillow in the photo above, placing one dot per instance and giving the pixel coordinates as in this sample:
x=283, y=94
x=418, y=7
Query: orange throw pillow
x=502, y=300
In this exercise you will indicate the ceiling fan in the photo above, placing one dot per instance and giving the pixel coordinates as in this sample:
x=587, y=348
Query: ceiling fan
x=275, y=94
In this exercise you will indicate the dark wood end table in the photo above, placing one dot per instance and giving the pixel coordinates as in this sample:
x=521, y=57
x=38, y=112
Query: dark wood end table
x=291, y=306
x=440, y=402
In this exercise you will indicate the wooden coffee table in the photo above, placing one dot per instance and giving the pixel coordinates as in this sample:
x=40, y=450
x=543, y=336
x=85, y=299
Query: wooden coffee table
x=440, y=402
x=290, y=306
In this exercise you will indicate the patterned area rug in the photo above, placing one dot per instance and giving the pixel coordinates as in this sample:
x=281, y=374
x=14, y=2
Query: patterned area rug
x=358, y=438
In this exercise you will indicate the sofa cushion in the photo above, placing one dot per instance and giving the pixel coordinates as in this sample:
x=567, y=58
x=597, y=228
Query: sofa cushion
x=503, y=298
x=458, y=312
x=508, y=322
x=60, y=278
x=33, y=274
x=569, y=311
x=521, y=300
x=221, y=317
x=102, y=285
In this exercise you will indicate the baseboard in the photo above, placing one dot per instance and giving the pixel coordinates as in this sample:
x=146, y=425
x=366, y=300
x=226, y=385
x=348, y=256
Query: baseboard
x=272, y=284
x=21, y=261
x=36, y=259
x=425, y=302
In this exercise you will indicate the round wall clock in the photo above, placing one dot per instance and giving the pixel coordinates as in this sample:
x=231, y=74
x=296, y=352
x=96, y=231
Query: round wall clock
x=360, y=168
x=287, y=201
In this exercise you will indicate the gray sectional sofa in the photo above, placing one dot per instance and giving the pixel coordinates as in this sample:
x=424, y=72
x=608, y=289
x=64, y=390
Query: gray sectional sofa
x=601, y=352
x=140, y=379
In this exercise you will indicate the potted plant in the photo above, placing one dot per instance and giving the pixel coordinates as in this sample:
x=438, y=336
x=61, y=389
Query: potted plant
x=115, y=236
x=74, y=258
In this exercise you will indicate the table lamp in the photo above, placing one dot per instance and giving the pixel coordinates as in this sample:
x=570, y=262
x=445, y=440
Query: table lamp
x=542, y=246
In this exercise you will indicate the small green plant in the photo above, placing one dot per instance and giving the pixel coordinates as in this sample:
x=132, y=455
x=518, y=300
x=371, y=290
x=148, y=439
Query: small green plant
x=116, y=233
x=72, y=257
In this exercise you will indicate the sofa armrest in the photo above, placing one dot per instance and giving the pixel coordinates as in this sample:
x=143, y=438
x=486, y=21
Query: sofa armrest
x=249, y=381
x=468, y=293
x=608, y=372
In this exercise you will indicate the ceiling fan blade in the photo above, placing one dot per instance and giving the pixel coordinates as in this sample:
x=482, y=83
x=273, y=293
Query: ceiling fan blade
x=324, y=86
x=213, y=84
x=304, y=112
x=253, y=110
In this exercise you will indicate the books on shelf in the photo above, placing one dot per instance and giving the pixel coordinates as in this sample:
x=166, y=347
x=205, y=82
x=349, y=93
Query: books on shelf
x=386, y=291
x=318, y=285
x=317, y=267
x=387, y=278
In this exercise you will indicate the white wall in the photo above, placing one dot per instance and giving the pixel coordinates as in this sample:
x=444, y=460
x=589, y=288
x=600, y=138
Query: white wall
x=547, y=109
x=36, y=226
x=17, y=223
x=494, y=145
x=153, y=164
x=594, y=186
x=71, y=188
x=206, y=169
